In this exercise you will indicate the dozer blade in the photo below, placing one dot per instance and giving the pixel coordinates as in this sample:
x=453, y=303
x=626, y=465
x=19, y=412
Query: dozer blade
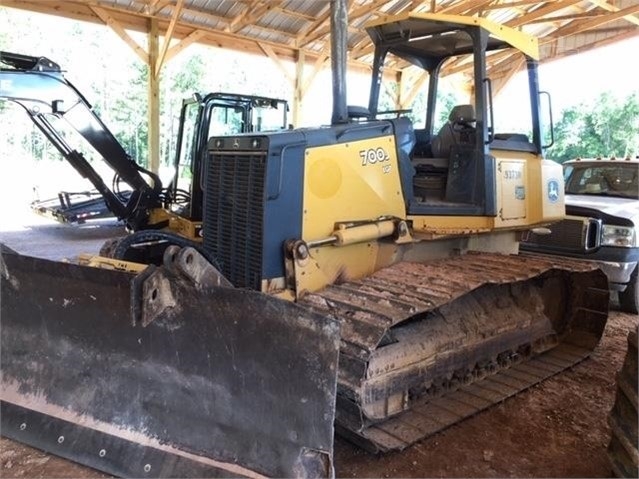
x=162, y=375
x=425, y=345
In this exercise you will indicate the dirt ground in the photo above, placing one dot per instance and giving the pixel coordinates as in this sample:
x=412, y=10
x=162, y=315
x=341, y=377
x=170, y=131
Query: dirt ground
x=555, y=429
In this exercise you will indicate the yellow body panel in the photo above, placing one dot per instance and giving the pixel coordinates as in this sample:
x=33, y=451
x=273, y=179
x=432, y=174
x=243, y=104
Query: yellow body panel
x=512, y=183
x=542, y=182
x=350, y=182
x=177, y=224
x=343, y=185
x=333, y=264
x=529, y=193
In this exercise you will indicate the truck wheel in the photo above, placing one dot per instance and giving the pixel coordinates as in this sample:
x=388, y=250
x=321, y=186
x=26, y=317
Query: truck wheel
x=629, y=299
x=622, y=450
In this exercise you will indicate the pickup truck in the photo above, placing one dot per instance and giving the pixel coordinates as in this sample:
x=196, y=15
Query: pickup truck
x=601, y=224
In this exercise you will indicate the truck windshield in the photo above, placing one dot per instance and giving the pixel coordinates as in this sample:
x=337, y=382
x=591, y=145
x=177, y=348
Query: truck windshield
x=605, y=179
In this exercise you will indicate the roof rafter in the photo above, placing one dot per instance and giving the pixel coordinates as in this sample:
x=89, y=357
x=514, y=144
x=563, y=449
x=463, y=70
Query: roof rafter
x=540, y=12
x=121, y=32
x=177, y=10
x=577, y=27
x=611, y=8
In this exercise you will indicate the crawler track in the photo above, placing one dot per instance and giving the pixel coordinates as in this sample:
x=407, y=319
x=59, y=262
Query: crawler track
x=426, y=345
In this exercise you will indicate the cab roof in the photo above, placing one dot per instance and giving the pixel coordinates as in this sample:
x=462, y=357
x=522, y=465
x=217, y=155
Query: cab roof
x=430, y=35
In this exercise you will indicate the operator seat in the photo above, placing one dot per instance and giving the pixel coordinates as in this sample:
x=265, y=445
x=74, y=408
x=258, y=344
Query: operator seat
x=458, y=130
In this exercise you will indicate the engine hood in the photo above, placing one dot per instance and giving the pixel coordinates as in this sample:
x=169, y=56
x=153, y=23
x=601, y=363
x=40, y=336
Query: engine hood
x=607, y=206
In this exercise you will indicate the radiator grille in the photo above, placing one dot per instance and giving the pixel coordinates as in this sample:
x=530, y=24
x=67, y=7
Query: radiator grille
x=569, y=234
x=233, y=214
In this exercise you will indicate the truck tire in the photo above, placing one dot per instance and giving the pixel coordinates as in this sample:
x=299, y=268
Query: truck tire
x=622, y=450
x=629, y=299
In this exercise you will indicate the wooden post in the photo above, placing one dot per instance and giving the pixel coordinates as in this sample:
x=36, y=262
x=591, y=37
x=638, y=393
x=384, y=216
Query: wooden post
x=299, y=92
x=154, y=98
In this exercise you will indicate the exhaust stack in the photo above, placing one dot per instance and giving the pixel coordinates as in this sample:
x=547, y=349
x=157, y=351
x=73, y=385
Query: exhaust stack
x=339, y=32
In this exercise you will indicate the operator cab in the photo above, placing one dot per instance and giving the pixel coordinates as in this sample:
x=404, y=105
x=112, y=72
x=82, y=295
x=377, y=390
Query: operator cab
x=202, y=117
x=448, y=156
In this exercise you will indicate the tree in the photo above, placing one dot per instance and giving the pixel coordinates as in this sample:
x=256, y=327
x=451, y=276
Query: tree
x=606, y=127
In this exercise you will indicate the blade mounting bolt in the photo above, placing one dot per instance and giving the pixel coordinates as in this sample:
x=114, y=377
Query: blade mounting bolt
x=302, y=251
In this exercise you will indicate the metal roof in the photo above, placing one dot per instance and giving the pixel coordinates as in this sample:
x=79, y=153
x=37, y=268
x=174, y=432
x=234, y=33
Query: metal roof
x=284, y=29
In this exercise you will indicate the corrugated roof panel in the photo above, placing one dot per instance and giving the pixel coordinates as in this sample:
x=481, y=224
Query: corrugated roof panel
x=127, y=4
x=311, y=8
x=195, y=18
x=278, y=20
x=257, y=33
x=220, y=8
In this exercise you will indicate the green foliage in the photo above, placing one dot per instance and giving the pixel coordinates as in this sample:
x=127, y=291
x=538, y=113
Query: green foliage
x=127, y=112
x=180, y=79
x=606, y=127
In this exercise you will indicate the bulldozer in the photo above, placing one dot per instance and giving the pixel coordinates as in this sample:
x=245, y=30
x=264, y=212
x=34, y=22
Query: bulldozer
x=361, y=277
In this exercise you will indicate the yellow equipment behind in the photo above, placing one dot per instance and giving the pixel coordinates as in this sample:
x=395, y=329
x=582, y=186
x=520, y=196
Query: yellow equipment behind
x=405, y=237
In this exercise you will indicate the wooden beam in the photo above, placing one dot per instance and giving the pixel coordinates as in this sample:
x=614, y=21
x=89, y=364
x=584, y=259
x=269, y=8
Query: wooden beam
x=463, y=7
x=192, y=38
x=153, y=89
x=506, y=74
x=363, y=48
x=320, y=62
x=563, y=18
x=250, y=16
x=578, y=27
x=298, y=96
x=158, y=6
x=206, y=14
x=505, y=5
x=541, y=12
x=119, y=30
x=321, y=20
x=611, y=8
x=365, y=9
x=238, y=18
x=168, y=35
x=275, y=31
x=291, y=13
x=632, y=33
x=273, y=56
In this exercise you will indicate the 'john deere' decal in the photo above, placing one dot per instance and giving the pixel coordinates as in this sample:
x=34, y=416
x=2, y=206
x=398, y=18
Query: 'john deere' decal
x=553, y=191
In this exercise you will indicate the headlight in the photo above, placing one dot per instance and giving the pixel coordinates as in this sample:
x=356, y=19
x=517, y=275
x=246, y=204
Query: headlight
x=618, y=236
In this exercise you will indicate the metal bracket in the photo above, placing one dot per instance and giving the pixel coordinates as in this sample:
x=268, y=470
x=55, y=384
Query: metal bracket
x=189, y=263
x=151, y=295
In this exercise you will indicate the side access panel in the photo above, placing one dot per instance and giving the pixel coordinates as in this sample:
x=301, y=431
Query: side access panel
x=220, y=382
